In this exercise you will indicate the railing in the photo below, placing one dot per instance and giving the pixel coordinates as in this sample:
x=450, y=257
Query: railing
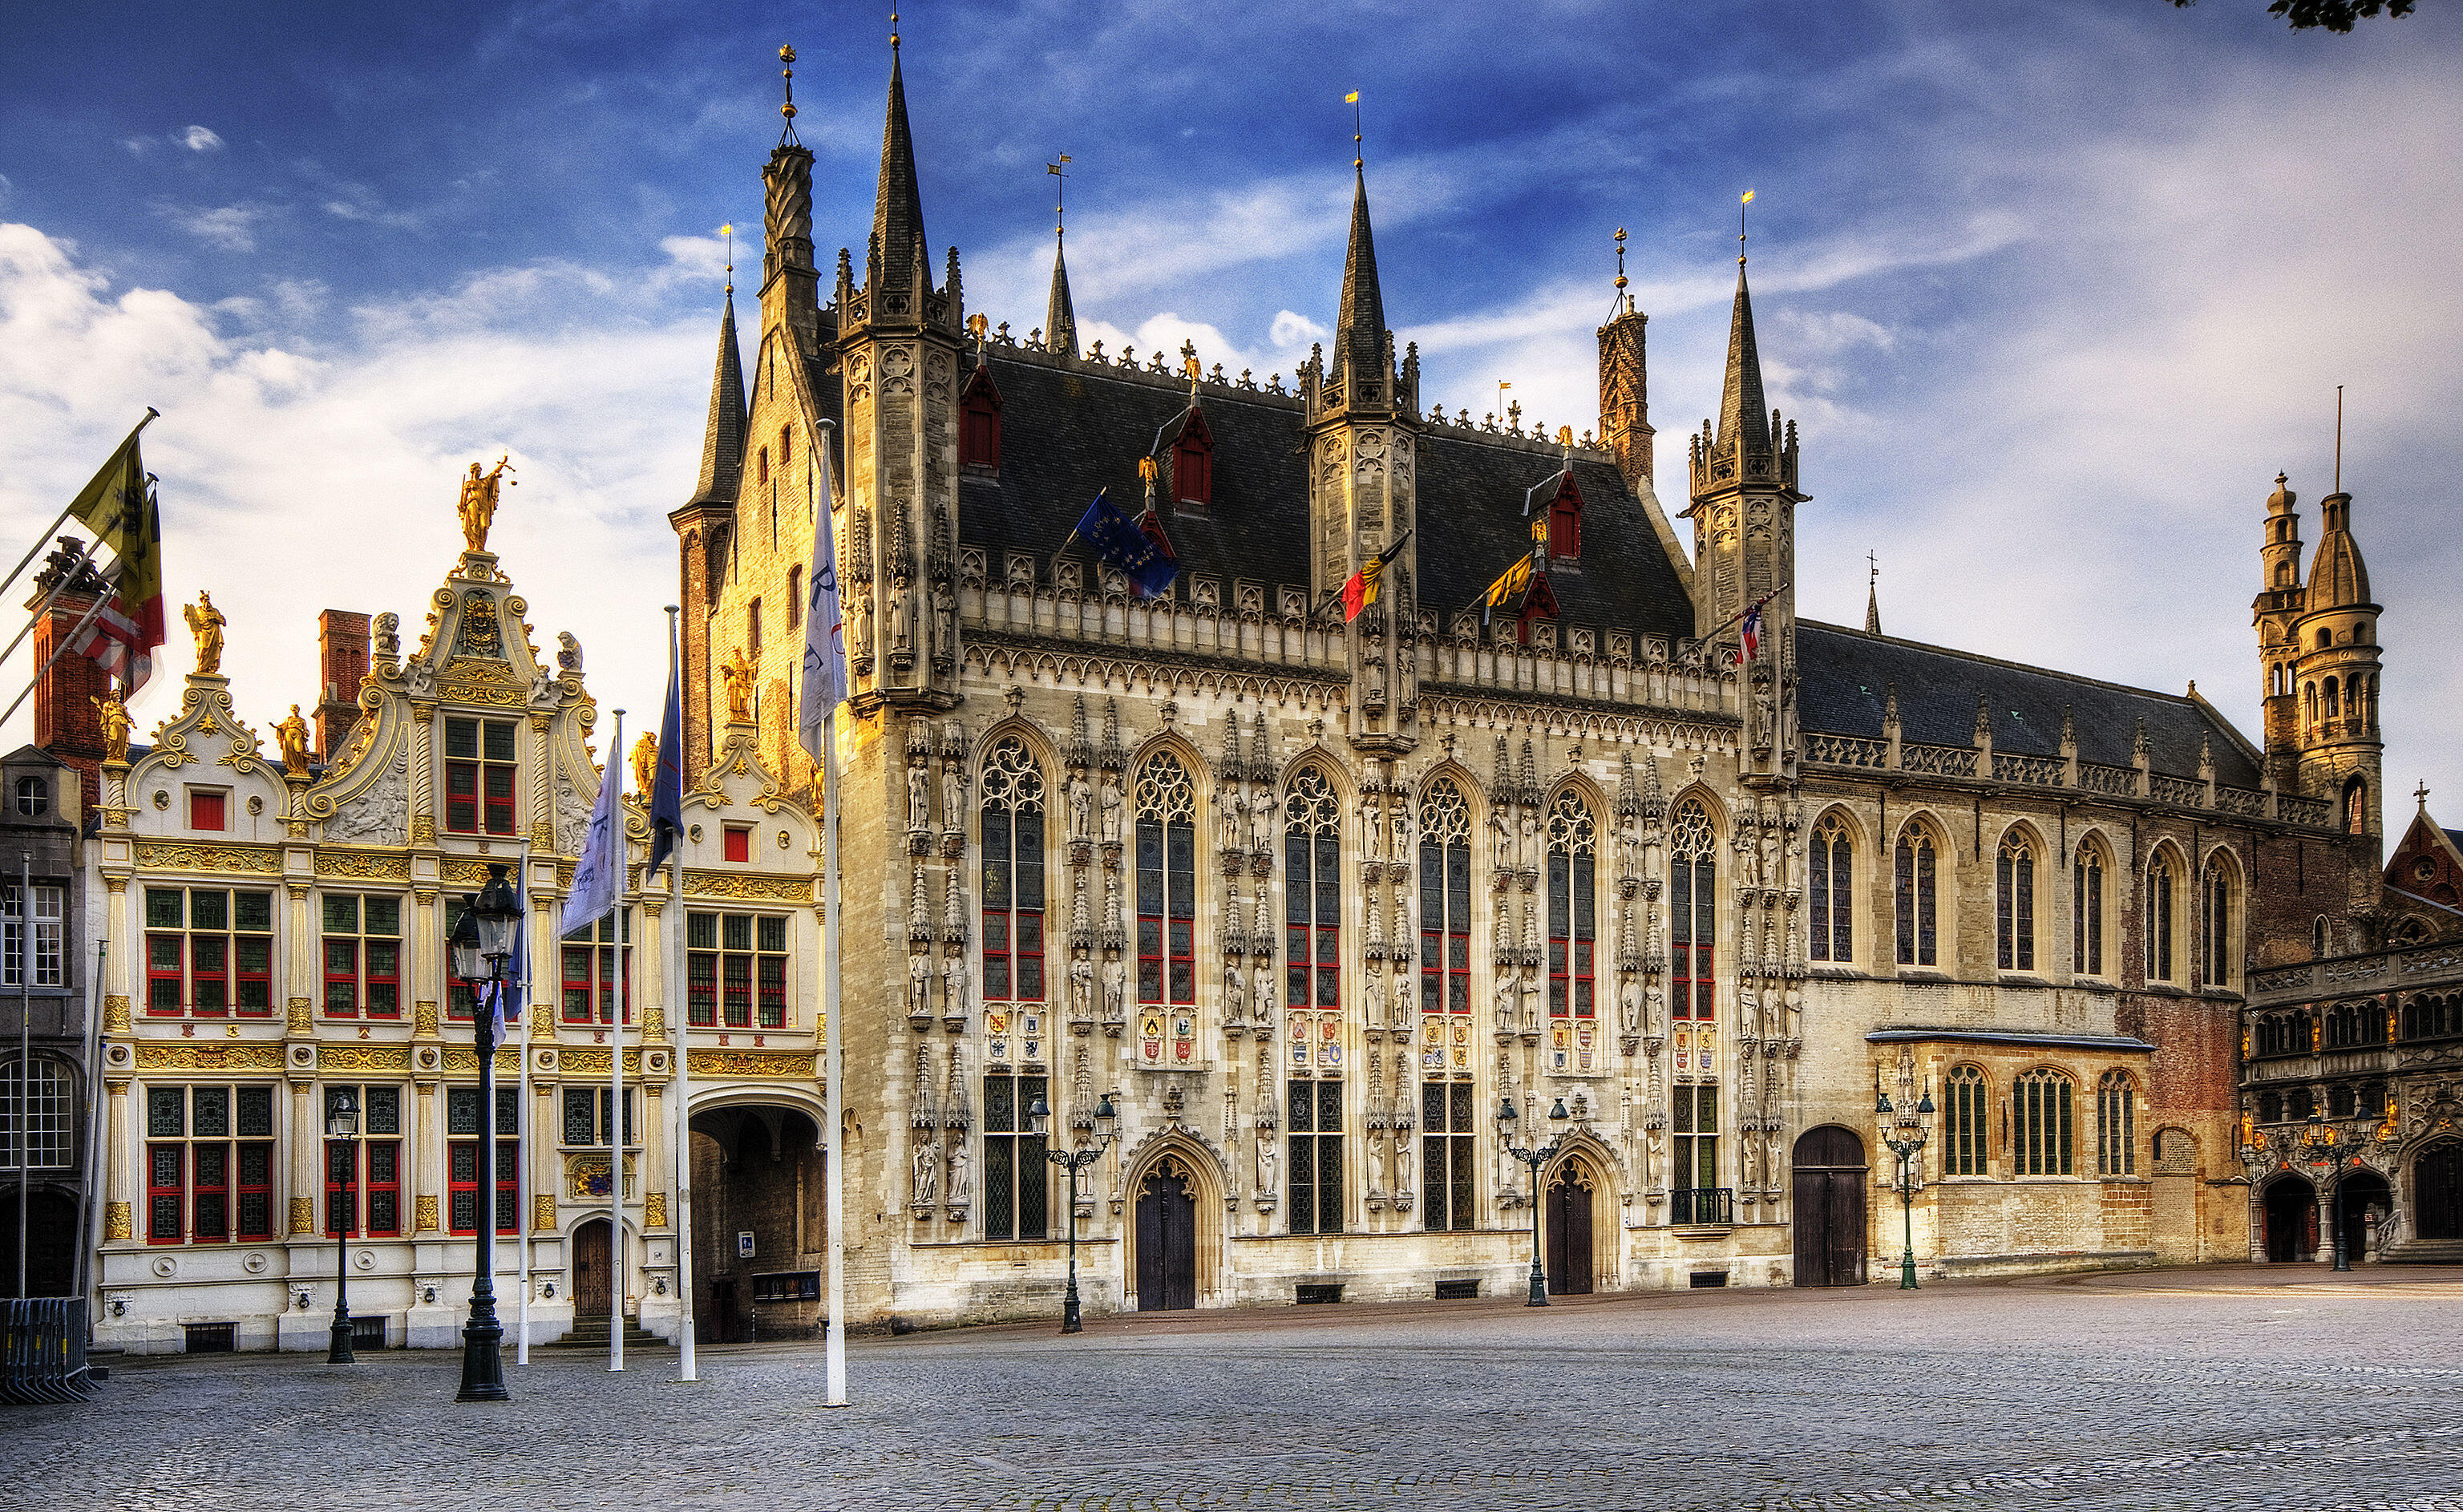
x=1938, y=760
x=2120, y=781
x=2304, y=810
x=2178, y=790
x=42, y=1351
x=2247, y=801
x=2038, y=770
x=1847, y=751
x=1702, y=1205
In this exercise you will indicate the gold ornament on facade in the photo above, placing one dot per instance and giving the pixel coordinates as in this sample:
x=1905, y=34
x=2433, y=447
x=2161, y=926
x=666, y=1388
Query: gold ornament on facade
x=209, y=1057
x=118, y=1221
x=738, y=674
x=366, y=1058
x=303, y=1215
x=422, y=1019
x=115, y=725
x=423, y=1215
x=292, y=734
x=646, y=764
x=654, y=1211
x=300, y=1021
x=732, y=884
x=158, y=855
x=774, y=1064
x=114, y=1012
x=543, y=1211
x=373, y=865
x=205, y=623
x=478, y=505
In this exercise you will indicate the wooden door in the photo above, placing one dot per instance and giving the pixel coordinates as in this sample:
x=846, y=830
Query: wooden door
x=1167, y=1238
x=2291, y=1220
x=592, y=1272
x=2437, y=1193
x=1829, y=1220
x=1569, y=1230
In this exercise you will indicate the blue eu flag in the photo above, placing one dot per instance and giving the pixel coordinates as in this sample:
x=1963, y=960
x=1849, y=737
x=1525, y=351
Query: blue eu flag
x=1119, y=541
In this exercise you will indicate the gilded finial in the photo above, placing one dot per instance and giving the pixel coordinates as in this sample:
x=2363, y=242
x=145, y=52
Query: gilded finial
x=893, y=32
x=729, y=231
x=1620, y=243
x=1353, y=100
x=787, y=107
x=1740, y=227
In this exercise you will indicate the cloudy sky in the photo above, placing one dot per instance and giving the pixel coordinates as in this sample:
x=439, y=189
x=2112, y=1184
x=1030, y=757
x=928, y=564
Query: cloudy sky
x=2054, y=288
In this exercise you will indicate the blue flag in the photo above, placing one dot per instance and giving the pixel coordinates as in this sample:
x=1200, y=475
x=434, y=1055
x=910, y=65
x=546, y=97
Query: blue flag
x=667, y=785
x=1119, y=541
x=824, y=636
x=505, y=1002
x=598, y=877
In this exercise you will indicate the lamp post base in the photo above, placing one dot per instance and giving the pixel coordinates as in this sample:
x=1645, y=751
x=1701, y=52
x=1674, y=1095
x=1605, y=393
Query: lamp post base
x=338, y=1353
x=1538, y=1286
x=1907, y=1272
x=483, y=1361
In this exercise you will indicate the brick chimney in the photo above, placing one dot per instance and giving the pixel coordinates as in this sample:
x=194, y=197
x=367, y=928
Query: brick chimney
x=66, y=722
x=341, y=662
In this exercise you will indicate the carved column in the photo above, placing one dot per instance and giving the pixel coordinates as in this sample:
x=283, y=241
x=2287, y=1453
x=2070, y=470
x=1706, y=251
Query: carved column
x=423, y=775
x=299, y=966
x=307, y=1156
x=119, y=1206
x=543, y=790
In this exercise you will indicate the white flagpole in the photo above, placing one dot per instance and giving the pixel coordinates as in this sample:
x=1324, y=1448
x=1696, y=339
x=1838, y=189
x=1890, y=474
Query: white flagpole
x=525, y=1129
x=834, y=1117
x=680, y=1020
x=615, y=1080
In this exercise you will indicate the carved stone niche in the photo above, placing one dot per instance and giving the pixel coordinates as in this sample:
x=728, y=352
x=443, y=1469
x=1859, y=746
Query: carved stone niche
x=1248, y=600
x=1295, y=604
x=1068, y=577
x=1017, y=571
x=1621, y=647
x=970, y=566
x=1206, y=594
x=1543, y=635
x=1582, y=643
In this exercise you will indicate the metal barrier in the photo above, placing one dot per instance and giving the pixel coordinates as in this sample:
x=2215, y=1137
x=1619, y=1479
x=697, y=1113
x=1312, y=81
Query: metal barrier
x=42, y=1351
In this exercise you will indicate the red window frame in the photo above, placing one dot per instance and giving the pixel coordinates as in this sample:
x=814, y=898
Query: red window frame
x=166, y=975
x=739, y=843
x=735, y=989
x=770, y=990
x=1192, y=462
x=166, y=1181
x=210, y=1192
x=252, y=1190
x=480, y=789
x=598, y=975
x=462, y=1165
x=735, y=971
x=1692, y=928
x=979, y=431
x=1312, y=918
x=208, y=811
x=342, y=1189
x=380, y=1188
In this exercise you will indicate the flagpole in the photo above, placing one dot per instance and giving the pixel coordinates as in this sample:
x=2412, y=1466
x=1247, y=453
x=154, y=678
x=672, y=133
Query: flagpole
x=679, y=1021
x=615, y=1120
x=60, y=650
x=834, y=1120
x=152, y=414
x=85, y=557
x=523, y=1131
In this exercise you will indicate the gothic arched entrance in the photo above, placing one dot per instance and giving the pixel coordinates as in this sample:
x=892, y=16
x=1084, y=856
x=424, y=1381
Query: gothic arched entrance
x=1829, y=1220
x=1570, y=1191
x=760, y=1222
x=2291, y=1210
x=2437, y=1193
x=1167, y=1236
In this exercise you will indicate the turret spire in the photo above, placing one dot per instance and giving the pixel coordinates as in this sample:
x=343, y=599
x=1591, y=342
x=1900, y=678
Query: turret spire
x=1873, y=595
x=898, y=207
x=1359, y=328
x=1744, y=414
x=722, y=446
x=1060, y=316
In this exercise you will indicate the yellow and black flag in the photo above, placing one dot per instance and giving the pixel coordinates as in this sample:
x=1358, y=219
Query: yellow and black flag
x=119, y=507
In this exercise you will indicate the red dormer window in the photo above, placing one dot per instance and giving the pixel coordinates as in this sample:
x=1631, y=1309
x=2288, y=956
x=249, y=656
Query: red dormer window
x=980, y=429
x=1538, y=604
x=1192, y=462
x=1565, y=521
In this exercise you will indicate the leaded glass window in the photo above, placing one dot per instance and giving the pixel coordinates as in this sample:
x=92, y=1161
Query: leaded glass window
x=1012, y=830
x=1830, y=891
x=1966, y=1122
x=1316, y=1123
x=2086, y=921
x=1312, y=893
x=1915, y=893
x=1166, y=856
x=2014, y=902
x=2042, y=1138
x=2216, y=923
x=1446, y=1160
x=2116, y=1125
x=1573, y=907
x=2162, y=880
x=1445, y=899
x=1693, y=910
x=1017, y=1181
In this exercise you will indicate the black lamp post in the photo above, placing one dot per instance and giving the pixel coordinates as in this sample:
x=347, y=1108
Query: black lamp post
x=342, y=1127
x=1038, y=1122
x=1905, y=1137
x=481, y=947
x=1558, y=1120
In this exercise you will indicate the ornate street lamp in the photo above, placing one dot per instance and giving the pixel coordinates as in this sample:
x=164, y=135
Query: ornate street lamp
x=343, y=1127
x=1558, y=1122
x=482, y=948
x=1904, y=1135
x=1038, y=1122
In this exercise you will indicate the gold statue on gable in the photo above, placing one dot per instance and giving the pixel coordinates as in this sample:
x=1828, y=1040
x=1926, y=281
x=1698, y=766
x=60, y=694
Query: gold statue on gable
x=478, y=506
x=115, y=725
x=646, y=764
x=205, y=623
x=293, y=734
x=738, y=674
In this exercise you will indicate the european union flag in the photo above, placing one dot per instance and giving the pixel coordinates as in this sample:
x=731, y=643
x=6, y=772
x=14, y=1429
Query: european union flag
x=1119, y=541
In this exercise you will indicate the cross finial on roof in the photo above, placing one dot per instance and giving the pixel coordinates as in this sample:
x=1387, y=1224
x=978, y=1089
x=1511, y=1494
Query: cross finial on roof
x=2421, y=792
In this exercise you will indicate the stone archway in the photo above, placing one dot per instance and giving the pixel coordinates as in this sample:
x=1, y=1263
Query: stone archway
x=1172, y=1229
x=1830, y=1179
x=2437, y=1194
x=760, y=1222
x=2360, y=1193
x=1572, y=1224
x=2288, y=1209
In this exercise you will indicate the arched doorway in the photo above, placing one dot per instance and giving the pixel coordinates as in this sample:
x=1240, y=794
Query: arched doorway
x=2291, y=1212
x=1167, y=1236
x=1571, y=1189
x=594, y=1270
x=760, y=1222
x=1829, y=1225
x=51, y=1245
x=2354, y=1195
x=2437, y=1193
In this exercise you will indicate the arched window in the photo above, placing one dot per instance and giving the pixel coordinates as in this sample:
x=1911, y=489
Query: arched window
x=2086, y=918
x=2116, y=1125
x=2309, y=702
x=1192, y=462
x=2162, y=880
x=796, y=597
x=2325, y=637
x=1913, y=892
x=2318, y=936
x=979, y=431
x=2356, y=806
x=1831, y=890
x=2334, y=705
x=2014, y=902
x=2042, y=1138
x=1012, y=888
x=1967, y=1119
x=1312, y=893
x=1166, y=901
x=44, y=1122
x=2218, y=926
x=1445, y=899
x=1573, y=907
x=1693, y=910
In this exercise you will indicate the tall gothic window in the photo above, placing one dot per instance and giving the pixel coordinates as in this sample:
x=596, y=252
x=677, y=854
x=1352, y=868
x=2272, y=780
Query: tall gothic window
x=1445, y=900
x=1316, y=1113
x=2116, y=1125
x=1312, y=893
x=2014, y=902
x=1448, y=1133
x=1831, y=890
x=2086, y=916
x=2215, y=924
x=2041, y=1135
x=1573, y=907
x=2163, y=881
x=1166, y=882
x=1966, y=1118
x=1914, y=891
x=1693, y=910
x=1017, y=1181
x=1012, y=824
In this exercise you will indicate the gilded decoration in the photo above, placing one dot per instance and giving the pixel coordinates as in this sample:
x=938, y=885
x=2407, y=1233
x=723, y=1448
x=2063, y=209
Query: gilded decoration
x=366, y=1058
x=466, y=1062
x=118, y=1221
x=474, y=680
x=543, y=1211
x=206, y=625
x=172, y=855
x=423, y=1215
x=585, y=1060
x=114, y=1012
x=113, y=716
x=477, y=506
x=422, y=1019
x=785, y=1064
x=654, y=1211
x=372, y=865
x=299, y=1015
x=292, y=734
x=303, y=1215
x=423, y=829
x=210, y=1055
x=586, y=1179
x=747, y=887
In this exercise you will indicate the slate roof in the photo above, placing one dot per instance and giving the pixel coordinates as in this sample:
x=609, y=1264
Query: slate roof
x=1069, y=429
x=1846, y=677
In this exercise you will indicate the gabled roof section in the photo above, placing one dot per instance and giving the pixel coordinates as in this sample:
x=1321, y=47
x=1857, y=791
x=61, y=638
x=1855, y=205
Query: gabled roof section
x=980, y=387
x=722, y=444
x=2427, y=865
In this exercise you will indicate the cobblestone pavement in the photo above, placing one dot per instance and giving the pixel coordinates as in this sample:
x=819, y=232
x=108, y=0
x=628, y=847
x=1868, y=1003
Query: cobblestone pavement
x=2238, y=1387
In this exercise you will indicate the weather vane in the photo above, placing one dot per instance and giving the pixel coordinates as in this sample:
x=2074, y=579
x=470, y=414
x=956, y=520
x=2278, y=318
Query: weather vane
x=1740, y=227
x=1059, y=197
x=729, y=231
x=1353, y=100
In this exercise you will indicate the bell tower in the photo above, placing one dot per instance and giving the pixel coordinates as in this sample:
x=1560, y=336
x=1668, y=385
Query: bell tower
x=2277, y=607
x=2335, y=655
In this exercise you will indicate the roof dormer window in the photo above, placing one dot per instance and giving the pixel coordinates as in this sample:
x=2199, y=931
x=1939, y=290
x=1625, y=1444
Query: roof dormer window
x=979, y=434
x=1192, y=466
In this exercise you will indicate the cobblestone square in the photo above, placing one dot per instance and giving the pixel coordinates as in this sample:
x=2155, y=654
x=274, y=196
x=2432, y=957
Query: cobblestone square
x=2240, y=1387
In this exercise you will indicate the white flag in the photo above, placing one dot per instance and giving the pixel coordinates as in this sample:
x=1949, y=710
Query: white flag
x=600, y=877
x=824, y=637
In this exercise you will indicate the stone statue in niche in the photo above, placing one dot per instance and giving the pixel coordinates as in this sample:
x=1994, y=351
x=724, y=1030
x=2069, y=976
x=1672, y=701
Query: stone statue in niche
x=1116, y=991
x=1376, y=1165
x=953, y=986
x=1261, y=820
x=1501, y=833
x=926, y=1182
x=1630, y=1005
x=902, y=621
x=919, y=797
x=1111, y=800
x=1509, y=1007
x=859, y=621
x=1234, y=988
x=1376, y=680
x=1082, y=799
x=1372, y=995
x=1530, y=992
x=1629, y=841
x=962, y=1171
x=1228, y=804
x=954, y=798
x=945, y=621
x=919, y=986
x=1268, y=1154
x=1372, y=831
x=1265, y=1000
x=1530, y=841
x=1655, y=1014
x=1081, y=989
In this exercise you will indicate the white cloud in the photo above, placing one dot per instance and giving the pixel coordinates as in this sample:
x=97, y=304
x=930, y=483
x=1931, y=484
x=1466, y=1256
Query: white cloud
x=1291, y=328
x=197, y=139
x=229, y=227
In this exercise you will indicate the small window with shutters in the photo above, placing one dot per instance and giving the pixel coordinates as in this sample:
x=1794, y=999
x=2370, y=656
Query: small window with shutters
x=979, y=434
x=1192, y=466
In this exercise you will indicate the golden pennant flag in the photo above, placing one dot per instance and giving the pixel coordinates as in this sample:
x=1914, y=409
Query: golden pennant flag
x=1749, y=197
x=1508, y=586
x=1352, y=98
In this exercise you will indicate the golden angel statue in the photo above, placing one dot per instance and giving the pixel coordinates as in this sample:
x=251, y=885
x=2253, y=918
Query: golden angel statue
x=478, y=506
x=293, y=734
x=646, y=764
x=738, y=674
x=115, y=725
x=205, y=623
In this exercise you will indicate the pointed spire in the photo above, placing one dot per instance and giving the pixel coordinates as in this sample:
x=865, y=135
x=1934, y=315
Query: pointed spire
x=1873, y=597
x=1059, y=320
x=898, y=206
x=722, y=446
x=1744, y=414
x=1359, y=328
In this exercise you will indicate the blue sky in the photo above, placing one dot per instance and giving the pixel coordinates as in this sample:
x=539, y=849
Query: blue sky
x=2054, y=288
